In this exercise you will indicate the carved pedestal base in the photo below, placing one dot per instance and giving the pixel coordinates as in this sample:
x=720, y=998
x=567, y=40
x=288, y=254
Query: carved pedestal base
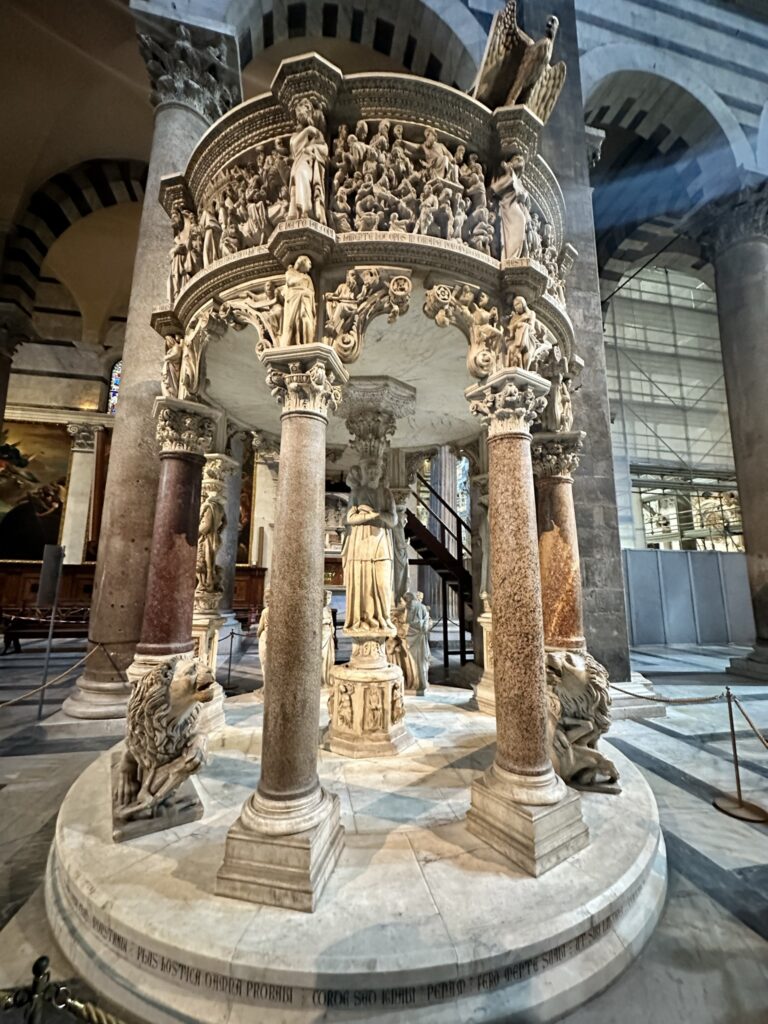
x=366, y=706
x=265, y=862
x=535, y=837
x=485, y=692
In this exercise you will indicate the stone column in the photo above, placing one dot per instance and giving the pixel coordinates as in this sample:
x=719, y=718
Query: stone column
x=74, y=530
x=734, y=233
x=185, y=431
x=187, y=99
x=555, y=456
x=227, y=559
x=283, y=847
x=519, y=807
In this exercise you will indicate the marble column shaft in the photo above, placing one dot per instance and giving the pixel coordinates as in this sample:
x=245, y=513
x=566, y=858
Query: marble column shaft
x=74, y=531
x=125, y=540
x=292, y=703
x=554, y=458
x=741, y=279
x=518, y=634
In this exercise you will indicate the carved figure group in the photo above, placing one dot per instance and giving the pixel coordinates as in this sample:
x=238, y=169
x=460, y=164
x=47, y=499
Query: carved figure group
x=213, y=519
x=494, y=344
x=162, y=745
x=385, y=182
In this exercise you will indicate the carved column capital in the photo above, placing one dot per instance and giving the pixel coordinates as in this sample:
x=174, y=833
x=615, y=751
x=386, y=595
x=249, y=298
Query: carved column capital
x=508, y=401
x=306, y=380
x=83, y=436
x=556, y=454
x=191, y=66
x=726, y=222
x=185, y=427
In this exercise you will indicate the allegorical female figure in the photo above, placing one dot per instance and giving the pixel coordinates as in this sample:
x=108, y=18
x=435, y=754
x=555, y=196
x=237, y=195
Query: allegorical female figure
x=367, y=555
x=514, y=212
x=309, y=150
x=328, y=642
x=261, y=633
x=299, y=316
x=419, y=625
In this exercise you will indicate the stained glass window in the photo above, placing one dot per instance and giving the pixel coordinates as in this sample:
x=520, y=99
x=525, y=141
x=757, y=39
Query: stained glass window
x=114, y=386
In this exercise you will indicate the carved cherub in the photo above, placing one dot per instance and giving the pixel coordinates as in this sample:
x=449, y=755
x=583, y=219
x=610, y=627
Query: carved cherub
x=162, y=745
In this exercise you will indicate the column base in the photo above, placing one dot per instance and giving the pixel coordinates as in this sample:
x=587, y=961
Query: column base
x=365, y=707
x=632, y=704
x=754, y=666
x=264, y=863
x=534, y=836
x=93, y=701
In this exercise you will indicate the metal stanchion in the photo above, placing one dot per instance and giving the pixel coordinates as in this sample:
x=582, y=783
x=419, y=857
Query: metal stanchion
x=738, y=807
x=50, y=579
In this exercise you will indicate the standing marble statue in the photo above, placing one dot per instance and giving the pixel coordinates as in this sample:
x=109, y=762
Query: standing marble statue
x=367, y=556
x=485, y=545
x=328, y=641
x=261, y=633
x=299, y=316
x=400, y=554
x=309, y=150
x=514, y=203
x=419, y=625
x=213, y=520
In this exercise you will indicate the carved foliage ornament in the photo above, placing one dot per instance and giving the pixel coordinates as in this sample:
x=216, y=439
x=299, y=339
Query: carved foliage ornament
x=367, y=292
x=556, y=457
x=184, y=69
x=309, y=389
x=179, y=430
x=507, y=409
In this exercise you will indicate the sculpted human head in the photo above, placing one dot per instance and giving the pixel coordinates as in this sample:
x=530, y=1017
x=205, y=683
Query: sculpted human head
x=304, y=264
x=371, y=472
x=519, y=305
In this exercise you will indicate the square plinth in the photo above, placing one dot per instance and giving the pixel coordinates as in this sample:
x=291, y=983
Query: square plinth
x=281, y=870
x=535, y=838
x=180, y=808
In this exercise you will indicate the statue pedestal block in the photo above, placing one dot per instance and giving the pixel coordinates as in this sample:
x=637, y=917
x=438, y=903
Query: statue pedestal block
x=485, y=692
x=205, y=636
x=180, y=808
x=366, y=708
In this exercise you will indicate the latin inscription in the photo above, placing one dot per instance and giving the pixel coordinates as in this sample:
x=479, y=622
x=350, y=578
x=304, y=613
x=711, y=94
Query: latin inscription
x=251, y=991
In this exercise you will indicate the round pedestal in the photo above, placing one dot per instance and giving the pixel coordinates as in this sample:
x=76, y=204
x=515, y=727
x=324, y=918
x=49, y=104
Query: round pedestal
x=420, y=921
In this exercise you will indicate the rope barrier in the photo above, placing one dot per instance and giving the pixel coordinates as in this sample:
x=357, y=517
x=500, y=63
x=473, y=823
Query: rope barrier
x=751, y=724
x=59, y=678
x=670, y=700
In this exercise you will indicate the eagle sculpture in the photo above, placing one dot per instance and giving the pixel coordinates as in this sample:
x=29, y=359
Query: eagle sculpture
x=516, y=69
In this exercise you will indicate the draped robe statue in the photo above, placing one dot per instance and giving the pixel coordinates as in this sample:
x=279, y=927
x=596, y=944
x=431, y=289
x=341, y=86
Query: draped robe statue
x=368, y=555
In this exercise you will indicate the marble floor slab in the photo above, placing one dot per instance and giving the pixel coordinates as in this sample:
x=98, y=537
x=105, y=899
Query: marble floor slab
x=707, y=963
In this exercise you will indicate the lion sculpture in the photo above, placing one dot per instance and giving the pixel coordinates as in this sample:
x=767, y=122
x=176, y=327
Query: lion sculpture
x=162, y=746
x=579, y=714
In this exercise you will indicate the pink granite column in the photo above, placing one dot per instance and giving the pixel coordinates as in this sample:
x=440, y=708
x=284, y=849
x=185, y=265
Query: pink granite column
x=520, y=806
x=555, y=456
x=283, y=847
x=185, y=430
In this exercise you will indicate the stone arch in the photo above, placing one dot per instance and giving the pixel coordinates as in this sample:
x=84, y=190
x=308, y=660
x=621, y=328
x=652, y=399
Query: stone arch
x=439, y=39
x=55, y=206
x=603, y=61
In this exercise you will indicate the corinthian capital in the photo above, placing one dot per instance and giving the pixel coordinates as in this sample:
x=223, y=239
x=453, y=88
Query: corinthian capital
x=83, y=436
x=185, y=427
x=556, y=454
x=509, y=401
x=305, y=379
x=739, y=216
x=191, y=66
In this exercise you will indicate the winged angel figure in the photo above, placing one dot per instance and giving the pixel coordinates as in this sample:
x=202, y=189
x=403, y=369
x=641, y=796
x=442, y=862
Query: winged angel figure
x=512, y=56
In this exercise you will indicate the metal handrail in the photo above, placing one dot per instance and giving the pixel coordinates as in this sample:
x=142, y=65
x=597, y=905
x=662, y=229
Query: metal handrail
x=423, y=480
x=455, y=534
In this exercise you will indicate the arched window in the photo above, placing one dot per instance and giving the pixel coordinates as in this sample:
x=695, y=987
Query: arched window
x=114, y=386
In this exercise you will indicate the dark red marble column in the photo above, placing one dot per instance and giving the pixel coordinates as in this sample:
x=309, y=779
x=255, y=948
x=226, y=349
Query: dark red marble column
x=184, y=430
x=555, y=456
